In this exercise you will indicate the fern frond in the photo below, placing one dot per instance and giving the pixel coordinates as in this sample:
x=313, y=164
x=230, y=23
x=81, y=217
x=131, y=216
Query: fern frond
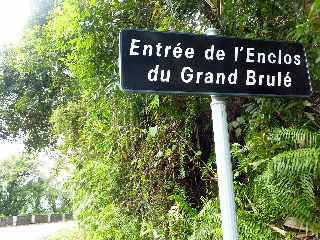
x=305, y=202
x=252, y=227
x=291, y=178
x=302, y=137
x=307, y=185
x=295, y=162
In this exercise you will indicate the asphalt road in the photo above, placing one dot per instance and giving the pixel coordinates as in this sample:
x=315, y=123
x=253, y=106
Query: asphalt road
x=33, y=231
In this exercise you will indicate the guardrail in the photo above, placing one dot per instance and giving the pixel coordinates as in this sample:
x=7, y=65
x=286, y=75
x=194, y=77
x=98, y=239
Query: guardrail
x=33, y=219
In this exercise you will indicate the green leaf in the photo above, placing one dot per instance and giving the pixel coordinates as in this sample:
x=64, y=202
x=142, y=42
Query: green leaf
x=238, y=132
x=310, y=116
x=198, y=153
x=153, y=131
x=306, y=102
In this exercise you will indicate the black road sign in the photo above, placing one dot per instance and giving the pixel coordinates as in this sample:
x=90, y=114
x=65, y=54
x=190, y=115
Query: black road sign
x=183, y=63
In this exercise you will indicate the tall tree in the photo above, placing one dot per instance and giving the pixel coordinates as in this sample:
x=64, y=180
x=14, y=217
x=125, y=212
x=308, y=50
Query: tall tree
x=25, y=188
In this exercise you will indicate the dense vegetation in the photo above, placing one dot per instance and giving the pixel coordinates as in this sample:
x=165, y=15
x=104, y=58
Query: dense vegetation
x=144, y=165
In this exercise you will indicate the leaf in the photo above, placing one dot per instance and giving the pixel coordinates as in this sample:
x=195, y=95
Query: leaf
x=256, y=164
x=168, y=152
x=174, y=147
x=310, y=116
x=238, y=132
x=198, y=153
x=235, y=124
x=306, y=102
x=155, y=103
x=159, y=154
x=153, y=131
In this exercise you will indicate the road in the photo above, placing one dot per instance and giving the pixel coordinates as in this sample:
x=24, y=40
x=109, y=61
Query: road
x=34, y=231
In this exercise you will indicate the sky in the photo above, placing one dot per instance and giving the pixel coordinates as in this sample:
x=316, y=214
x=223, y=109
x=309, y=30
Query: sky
x=7, y=149
x=13, y=17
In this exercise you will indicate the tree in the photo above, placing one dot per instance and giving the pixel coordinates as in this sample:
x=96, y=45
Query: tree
x=40, y=11
x=33, y=81
x=24, y=189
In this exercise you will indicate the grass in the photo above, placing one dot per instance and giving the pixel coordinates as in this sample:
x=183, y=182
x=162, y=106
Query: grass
x=68, y=234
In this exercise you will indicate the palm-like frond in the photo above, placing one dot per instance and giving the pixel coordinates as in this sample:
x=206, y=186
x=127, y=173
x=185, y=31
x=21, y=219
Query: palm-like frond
x=302, y=137
x=297, y=162
x=293, y=176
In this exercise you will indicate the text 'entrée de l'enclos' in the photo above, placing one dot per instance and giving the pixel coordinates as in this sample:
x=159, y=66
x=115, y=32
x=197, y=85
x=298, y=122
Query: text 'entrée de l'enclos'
x=189, y=75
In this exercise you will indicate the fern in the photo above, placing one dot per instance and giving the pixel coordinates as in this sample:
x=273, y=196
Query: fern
x=292, y=176
x=285, y=169
x=295, y=162
x=302, y=137
x=252, y=227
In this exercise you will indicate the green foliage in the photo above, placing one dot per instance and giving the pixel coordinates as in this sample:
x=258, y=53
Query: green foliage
x=283, y=182
x=40, y=11
x=207, y=224
x=298, y=137
x=298, y=170
x=33, y=81
x=24, y=189
x=68, y=234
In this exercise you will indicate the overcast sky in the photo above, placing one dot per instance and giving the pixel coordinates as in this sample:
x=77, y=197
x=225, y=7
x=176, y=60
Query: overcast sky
x=13, y=17
x=7, y=148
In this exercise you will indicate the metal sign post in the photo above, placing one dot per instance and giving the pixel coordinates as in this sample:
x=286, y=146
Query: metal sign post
x=223, y=161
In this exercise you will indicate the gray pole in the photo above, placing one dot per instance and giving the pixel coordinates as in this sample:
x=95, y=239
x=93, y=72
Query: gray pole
x=224, y=167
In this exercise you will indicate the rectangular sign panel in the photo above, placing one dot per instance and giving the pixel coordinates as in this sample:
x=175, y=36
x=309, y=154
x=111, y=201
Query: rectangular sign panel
x=183, y=63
